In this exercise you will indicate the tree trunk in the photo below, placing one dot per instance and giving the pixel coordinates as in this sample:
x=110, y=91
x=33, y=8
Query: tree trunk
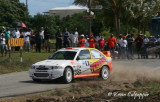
x=116, y=24
x=127, y=26
x=139, y=28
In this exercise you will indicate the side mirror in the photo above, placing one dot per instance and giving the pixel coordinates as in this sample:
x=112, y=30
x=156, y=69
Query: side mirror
x=49, y=57
x=77, y=58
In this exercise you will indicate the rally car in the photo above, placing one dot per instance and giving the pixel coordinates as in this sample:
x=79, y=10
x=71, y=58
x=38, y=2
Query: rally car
x=69, y=63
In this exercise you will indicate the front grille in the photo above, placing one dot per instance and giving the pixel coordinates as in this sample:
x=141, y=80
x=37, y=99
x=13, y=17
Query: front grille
x=41, y=74
x=42, y=68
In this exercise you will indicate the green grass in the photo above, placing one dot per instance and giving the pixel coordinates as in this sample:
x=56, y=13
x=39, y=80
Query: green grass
x=16, y=66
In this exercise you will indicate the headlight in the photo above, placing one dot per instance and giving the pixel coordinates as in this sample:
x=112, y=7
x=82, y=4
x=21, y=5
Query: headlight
x=56, y=67
x=33, y=67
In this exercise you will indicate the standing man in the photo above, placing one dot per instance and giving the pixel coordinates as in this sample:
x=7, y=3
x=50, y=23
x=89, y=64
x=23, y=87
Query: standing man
x=123, y=45
x=46, y=39
x=139, y=41
x=58, y=39
x=97, y=39
x=111, y=44
x=15, y=33
x=81, y=41
x=74, y=38
x=86, y=41
x=38, y=41
x=27, y=35
x=7, y=35
x=101, y=43
x=42, y=35
x=66, y=38
x=92, y=42
x=130, y=41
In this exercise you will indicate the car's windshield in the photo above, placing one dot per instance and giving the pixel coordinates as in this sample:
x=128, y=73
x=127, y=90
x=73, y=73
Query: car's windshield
x=63, y=55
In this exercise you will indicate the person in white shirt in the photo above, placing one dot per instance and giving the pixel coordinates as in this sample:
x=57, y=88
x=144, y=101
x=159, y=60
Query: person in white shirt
x=3, y=45
x=74, y=38
x=15, y=33
x=27, y=35
x=123, y=45
x=42, y=34
x=86, y=43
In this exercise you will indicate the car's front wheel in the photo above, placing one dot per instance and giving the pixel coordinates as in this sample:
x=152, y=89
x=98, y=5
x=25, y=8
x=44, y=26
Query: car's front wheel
x=67, y=75
x=104, y=73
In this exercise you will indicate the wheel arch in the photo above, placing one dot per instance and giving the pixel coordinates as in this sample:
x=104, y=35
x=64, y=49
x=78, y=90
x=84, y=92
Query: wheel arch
x=71, y=69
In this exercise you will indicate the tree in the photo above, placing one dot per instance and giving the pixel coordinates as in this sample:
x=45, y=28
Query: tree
x=12, y=11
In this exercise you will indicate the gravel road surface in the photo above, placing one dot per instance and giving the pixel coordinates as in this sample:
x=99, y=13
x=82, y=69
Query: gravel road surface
x=20, y=83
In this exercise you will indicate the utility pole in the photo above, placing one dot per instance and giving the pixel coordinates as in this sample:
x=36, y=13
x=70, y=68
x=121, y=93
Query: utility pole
x=89, y=20
x=27, y=4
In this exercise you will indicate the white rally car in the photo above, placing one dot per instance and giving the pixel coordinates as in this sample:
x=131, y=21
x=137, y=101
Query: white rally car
x=70, y=63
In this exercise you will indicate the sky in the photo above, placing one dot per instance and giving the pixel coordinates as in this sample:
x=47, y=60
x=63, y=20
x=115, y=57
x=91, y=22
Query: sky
x=40, y=6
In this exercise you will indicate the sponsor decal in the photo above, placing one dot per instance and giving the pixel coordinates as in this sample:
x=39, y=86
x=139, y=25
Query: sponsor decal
x=98, y=64
x=72, y=62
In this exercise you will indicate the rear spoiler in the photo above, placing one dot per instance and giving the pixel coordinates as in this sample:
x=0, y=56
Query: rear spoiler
x=106, y=53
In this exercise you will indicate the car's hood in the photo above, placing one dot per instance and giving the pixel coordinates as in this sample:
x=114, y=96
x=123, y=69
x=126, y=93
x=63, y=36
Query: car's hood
x=53, y=62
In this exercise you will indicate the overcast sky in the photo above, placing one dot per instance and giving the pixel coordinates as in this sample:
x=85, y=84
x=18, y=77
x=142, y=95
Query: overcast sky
x=39, y=6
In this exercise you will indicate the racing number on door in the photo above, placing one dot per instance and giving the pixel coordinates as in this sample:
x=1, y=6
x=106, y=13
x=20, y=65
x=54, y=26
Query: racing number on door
x=87, y=63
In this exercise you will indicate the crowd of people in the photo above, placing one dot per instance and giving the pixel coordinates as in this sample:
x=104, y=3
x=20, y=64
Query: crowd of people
x=32, y=40
x=122, y=47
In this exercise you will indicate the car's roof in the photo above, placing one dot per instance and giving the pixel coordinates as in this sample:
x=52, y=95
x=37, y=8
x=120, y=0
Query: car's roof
x=74, y=49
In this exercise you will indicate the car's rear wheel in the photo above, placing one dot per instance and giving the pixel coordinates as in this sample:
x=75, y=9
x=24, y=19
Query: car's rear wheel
x=67, y=75
x=104, y=73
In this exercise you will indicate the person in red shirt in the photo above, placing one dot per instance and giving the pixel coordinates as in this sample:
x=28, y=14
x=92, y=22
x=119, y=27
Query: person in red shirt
x=139, y=42
x=101, y=43
x=81, y=41
x=111, y=43
x=92, y=42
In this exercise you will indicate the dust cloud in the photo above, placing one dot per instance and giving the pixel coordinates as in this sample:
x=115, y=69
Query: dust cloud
x=138, y=69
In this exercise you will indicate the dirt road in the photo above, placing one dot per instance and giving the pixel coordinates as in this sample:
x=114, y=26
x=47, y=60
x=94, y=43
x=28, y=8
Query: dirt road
x=128, y=70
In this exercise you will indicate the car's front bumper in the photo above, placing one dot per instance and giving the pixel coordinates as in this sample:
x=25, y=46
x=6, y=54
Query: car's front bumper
x=47, y=74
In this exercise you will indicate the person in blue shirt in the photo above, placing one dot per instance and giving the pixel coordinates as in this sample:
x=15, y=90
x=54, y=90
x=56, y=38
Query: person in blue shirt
x=66, y=38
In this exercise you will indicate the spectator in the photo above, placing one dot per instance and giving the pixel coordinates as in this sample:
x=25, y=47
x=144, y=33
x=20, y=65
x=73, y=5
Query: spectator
x=130, y=41
x=92, y=42
x=58, y=39
x=7, y=35
x=15, y=33
x=101, y=43
x=97, y=39
x=123, y=45
x=111, y=43
x=38, y=41
x=42, y=36
x=32, y=41
x=46, y=39
x=74, y=38
x=119, y=47
x=21, y=34
x=81, y=41
x=86, y=43
x=27, y=35
x=139, y=42
x=66, y=38
x=3, y=45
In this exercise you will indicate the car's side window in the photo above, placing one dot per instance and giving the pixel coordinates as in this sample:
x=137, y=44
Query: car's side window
x=96, y=55
x=84, y=54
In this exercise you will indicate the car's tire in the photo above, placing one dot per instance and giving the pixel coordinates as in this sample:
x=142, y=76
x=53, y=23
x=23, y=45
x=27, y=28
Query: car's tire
x=36, y=80
x=104, y=73
x=67, y=75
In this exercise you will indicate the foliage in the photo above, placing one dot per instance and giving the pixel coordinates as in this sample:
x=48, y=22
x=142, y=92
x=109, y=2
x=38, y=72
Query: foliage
x=12, y=11
x=15, y=65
